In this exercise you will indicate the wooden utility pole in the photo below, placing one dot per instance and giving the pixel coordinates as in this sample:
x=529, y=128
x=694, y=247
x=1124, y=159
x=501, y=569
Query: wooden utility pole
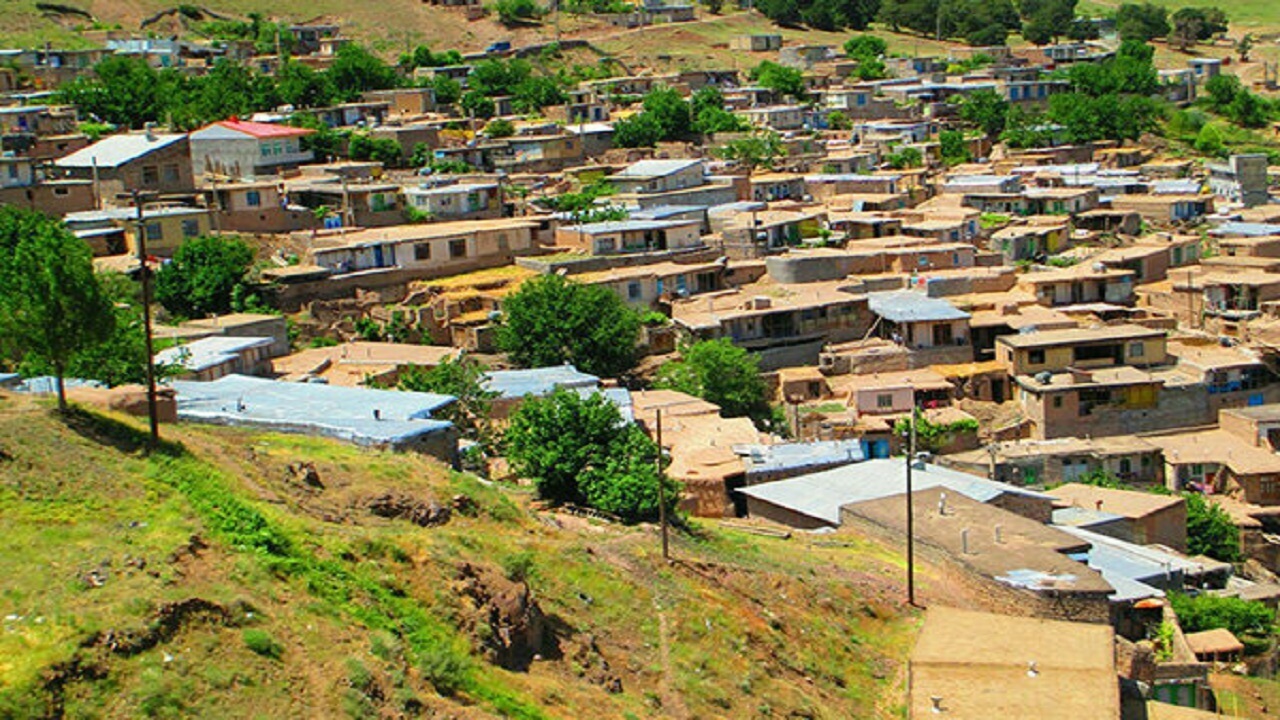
x=662, y=493
x=911, y=540
x=152, y=413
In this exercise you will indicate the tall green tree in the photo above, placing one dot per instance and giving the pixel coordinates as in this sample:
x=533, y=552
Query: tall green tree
x=1143, y=22
x=1210, y=530
x=1043, y=21
x=203, y=275
x=122, y=90
x=986, y=110
x=463, y=379
x=51, y=304
x=579, y=450
x=721, y=373
x=356, y=70
x=551, y=321
x=781, y=79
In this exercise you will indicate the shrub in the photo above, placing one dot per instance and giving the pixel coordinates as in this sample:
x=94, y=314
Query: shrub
x=262, y=643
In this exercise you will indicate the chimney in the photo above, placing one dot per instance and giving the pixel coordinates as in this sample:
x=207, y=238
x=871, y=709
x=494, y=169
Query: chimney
x=150, y=130
x=1032, y=670
x=1097, y=505
x=964, y=541
x=937, y=704
x=999, y=535
x=942, y=504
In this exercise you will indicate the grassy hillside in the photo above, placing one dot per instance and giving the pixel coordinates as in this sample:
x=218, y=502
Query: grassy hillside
x=211, y=580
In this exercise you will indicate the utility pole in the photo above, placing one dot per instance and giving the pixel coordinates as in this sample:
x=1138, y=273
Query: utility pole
x=152, y=413
x=662, y=493
x=911, y=541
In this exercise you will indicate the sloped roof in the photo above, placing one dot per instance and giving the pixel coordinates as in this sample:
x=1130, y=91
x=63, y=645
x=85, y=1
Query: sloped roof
x=116, y=150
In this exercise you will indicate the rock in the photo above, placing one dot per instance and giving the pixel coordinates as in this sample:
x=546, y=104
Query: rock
x=586, y=655
x=424, y=514
x=306, y=474
x=503, y=618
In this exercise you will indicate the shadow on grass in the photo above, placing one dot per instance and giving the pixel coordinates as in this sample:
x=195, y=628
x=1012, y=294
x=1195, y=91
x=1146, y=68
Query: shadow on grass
x=120, y=435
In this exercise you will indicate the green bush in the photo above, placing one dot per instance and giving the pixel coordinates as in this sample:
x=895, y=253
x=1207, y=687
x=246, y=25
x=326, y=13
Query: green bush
x=1210, y=612
x=262, y=643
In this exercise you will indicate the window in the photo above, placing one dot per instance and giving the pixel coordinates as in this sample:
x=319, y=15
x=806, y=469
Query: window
x=265, y=149
x=422, y=251
x=1126, y=466
x=457, y=248
x=633, y=290
x=150, y=176
x=1057, y=401
x=190, y=228
x=13, y=171
x=1135, y=350
x=61, y=191
x=171, y=174
x=253, y=198
x=1035, y=357
x=884, y=400
x=154, y=231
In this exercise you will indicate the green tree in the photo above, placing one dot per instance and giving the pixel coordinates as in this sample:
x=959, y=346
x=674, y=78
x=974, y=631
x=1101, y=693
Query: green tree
x=865, y=46
x=1210, y=530
x=476, y=104
x=639, y=130
x=907, y=157
x=1142, y=22
x=709, y=114
x=203, y=275
x=355, y=70
x=668, y=107
x=721, y=373
x=387, y=151
x=448, y=91
x=781, y=79
x=122, y=90
x=986, y=110
x=302, y=87
x=551, y=320
x=578, y=449
x=759, y=149
x=1209, y=612
x=463, y=379
x=51, y=304
x=516, y=12
x=1044, y=20
x=954, y=147
x=1244, y=46
x=535, y=93
x=500, y=128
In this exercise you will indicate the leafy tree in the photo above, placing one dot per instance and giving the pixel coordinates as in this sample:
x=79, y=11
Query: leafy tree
x=907, y=157
x=551, y=320
x=1249, y=110
x=302, y=87
x=1222, y=90
x=499, y=77
x=51, y=304
x=123, y=90
x=448, y=91
x=933, y=436
x=1142, y=22
x=1209, y=612
x=639, y=130
x=1196, y=24
x=325, y=142
x=516, y=12
x=1244, y=46
x=578, y=449
x=721, y=373
x=464, y=380
x=119, y=359
x=500, y=128
x=865, y=46
x=202, y=277
x=954, y=147
x=760, y=149
x=1210, y=530
x=362, y=146
x=229, y=89
x=477, y=104
x=355, y=70
x=421, y=56
x=779, y=78
x=535, y=93
x=1044, y=20
x=1131, y=71
x=709, y=114
x=986, y=110
x=783, y=12
x=669, y=109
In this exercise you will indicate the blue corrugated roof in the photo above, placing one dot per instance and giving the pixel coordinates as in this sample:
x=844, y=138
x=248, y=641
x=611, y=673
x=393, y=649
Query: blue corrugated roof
x=786, y=456
x=313, y=408
x=909, y=306
x=1245, y=229
x=537, y=381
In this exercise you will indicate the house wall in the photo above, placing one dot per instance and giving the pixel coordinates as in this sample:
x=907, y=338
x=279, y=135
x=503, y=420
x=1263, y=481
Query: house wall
x=767, y=510
x=1153, y=350
x=52, y=199
x=169, y=232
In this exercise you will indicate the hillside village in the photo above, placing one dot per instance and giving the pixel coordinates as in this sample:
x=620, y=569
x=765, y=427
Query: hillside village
x=1013, y=305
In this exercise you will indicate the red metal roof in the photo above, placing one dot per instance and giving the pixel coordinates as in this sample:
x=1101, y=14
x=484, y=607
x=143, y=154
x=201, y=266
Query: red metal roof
x=264, y=130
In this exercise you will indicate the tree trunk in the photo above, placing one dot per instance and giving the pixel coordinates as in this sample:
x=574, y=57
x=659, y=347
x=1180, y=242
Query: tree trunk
x=62, y=390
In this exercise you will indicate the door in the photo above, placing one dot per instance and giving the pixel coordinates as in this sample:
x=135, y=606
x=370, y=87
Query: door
x=997, y=391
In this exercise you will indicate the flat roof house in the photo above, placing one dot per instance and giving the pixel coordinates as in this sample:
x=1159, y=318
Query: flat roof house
x=1058, y=350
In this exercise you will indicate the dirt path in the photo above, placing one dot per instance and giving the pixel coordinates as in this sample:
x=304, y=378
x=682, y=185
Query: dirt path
x=672, y=703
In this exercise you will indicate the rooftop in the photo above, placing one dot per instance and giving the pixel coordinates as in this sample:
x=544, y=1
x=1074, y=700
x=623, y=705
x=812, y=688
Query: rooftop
x=909, y=306
x=981, y=665
x=209, y=352
x=645, y=169
x=360, y=415
x=116, y=150
x=820, y=495
x=537, y=381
